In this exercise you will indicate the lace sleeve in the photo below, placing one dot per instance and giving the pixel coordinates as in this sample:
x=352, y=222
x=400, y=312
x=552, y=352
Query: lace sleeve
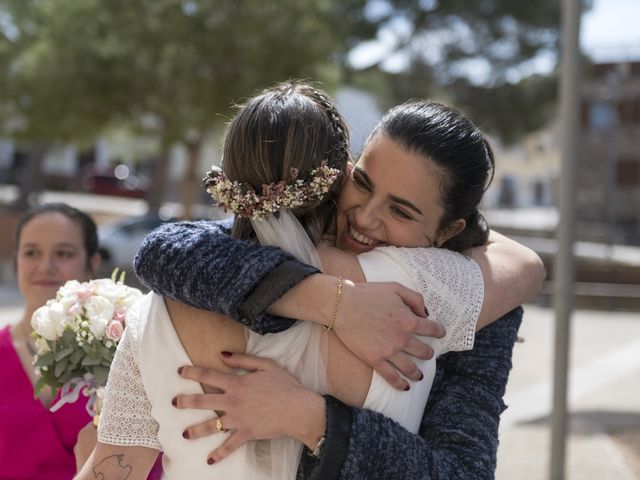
x=452, y=287
x=126, y=418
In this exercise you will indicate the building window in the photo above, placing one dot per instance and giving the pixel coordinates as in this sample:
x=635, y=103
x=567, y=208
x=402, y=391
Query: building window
x=602, y=115
x=507, y=196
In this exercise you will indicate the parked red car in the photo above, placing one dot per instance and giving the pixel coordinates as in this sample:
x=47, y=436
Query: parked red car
x=113, y=180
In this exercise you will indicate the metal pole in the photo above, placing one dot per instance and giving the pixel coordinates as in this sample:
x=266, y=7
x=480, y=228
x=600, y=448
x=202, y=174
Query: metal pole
x=564, y=262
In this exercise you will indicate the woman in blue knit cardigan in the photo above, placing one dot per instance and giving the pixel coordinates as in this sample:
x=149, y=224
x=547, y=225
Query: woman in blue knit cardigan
x=459, y=432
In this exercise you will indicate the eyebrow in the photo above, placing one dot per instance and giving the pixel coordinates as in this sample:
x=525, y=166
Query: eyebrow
x=58, y=245
x=393, y=198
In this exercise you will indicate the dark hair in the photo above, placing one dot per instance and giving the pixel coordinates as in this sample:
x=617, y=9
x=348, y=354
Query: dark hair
x=460, y=152
x=86, y=223
x=289, y=126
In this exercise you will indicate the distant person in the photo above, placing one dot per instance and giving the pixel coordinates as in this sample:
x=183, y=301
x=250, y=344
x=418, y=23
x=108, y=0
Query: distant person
x=54, y=243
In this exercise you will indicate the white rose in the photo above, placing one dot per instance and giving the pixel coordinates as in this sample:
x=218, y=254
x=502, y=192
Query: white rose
x=131, y=296
x=69, y=289
x=58, y=314
x=104, y=287
x=43, y=325
x=99, y=312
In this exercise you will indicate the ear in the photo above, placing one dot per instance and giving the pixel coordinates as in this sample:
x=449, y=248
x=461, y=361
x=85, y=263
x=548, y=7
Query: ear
x=94, y=263
x=450, y=231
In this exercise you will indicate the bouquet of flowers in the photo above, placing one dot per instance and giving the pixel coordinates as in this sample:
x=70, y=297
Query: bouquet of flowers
x=76, y=338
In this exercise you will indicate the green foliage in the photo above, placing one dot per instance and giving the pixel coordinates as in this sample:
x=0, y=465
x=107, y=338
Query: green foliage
x=172, y=66
x=69, y=69
x=510, y=110
x=68, y=359
x=445, y=42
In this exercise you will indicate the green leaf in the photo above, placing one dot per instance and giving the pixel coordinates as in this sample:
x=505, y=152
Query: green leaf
x=61, y=367
x=68, y=337
x=101, y=374
x=76, y=356
x=44, y=360
x=66, y=376
x=40, y=384
x=91, y=360
x=64, y=353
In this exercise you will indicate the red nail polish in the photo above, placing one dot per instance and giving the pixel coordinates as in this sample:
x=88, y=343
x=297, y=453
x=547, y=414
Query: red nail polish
x=226, y=354
x=185, y=435
x=174, y=401
x=180, y=371
x=407, y=388
x=210, y=461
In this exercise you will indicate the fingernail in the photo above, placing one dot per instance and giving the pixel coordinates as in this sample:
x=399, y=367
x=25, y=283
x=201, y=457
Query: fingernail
x=226, y=354
x=185, y=435
x=180, y=371
x=174, y=401
x=426, y=311
x=407, y=388
x=210, y=461
x=421, y=376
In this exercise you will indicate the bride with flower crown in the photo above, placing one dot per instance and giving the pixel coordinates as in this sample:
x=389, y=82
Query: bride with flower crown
x=284, y=154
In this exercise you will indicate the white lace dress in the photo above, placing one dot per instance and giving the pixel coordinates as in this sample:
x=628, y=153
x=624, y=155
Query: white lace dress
x=138, y=412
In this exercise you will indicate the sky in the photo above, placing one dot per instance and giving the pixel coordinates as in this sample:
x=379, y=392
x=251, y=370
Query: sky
x=611, y=30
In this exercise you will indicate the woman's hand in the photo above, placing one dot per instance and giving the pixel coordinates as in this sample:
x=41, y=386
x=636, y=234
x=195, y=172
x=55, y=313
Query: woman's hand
x=266, y=403
x=378, y=323
x=87, y=438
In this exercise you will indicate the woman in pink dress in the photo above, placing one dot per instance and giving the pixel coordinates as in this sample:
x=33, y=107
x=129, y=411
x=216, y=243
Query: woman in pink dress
x=54, y=243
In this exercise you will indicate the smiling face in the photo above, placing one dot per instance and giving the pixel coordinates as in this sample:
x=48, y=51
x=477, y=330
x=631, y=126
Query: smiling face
x=391, y=198
x=50, y=252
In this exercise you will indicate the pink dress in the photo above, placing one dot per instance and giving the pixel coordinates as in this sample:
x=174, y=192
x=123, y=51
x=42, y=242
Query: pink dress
x=35, y=444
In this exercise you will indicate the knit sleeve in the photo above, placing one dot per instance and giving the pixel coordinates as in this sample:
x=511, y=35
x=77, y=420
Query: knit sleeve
x=200, y=264
x=458, y=437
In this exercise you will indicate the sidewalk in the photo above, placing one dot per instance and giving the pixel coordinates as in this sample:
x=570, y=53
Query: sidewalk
x=604, y=443
x=604, y=398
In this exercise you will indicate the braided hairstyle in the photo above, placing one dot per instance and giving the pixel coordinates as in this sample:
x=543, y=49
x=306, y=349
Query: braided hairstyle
x=462, y=155
x=292, y=125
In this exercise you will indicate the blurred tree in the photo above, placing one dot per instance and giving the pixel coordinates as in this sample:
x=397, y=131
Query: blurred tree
x=482, y=55
x=72, y=68
x=167, y=66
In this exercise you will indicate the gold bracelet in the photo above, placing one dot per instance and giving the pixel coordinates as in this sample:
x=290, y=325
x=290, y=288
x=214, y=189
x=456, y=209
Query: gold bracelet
x=334, y=315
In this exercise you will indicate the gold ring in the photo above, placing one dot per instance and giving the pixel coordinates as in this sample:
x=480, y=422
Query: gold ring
x=219, y=426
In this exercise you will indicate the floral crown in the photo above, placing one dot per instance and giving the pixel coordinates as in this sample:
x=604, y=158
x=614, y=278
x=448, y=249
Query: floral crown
x=242, y=199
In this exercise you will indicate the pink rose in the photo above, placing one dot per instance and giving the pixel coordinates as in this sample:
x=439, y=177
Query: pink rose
x=120, y=314
x=114, y=330
x=85, y=291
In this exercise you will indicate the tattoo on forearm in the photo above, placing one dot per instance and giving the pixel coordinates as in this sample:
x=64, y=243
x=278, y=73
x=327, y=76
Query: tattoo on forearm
x=112, y=468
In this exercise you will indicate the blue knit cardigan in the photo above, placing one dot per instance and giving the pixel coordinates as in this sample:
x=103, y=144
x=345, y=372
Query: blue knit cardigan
x=198, y=263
